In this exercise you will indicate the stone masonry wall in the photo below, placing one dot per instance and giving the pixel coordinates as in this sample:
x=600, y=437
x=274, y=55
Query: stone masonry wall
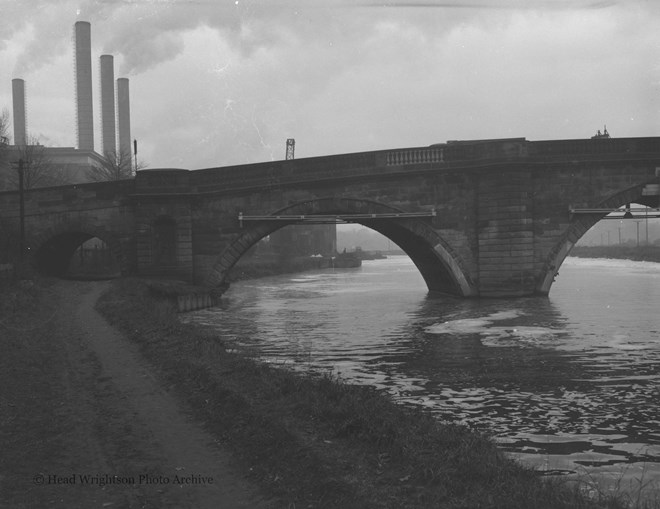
x=506, y=238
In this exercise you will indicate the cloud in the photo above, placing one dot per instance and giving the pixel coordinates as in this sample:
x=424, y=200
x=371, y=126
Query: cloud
x=43, y=35
x=215, y=83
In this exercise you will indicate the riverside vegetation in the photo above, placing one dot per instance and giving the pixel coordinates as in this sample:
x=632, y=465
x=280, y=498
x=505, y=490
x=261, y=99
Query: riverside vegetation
x=312, y=441
x=308, y=440
x=650, y=253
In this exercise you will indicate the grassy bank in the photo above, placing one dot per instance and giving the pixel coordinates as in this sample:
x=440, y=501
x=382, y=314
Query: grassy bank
x=636, y=253
x=312, y=441
x=59, y=415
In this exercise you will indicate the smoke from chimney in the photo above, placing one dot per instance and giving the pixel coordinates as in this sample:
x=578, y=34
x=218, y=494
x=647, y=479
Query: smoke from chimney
x=20, y=121
x=108, y=128
x=84, y=108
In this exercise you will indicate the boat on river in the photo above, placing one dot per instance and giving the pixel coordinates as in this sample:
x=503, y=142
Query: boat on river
x=346, y=261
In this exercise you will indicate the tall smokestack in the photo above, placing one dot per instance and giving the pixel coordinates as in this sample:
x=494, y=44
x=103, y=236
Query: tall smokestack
x=20, y=122
x=124, y=118
x=84, y=108
x=108, y=129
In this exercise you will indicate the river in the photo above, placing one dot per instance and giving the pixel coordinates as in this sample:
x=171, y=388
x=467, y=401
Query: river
x=569, y=384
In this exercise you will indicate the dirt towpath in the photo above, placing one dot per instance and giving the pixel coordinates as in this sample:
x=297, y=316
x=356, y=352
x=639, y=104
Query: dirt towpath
x=119, y=438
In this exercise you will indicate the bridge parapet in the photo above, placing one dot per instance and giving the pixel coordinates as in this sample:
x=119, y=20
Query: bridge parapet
x=278, y=173
x=450, y=156
x=162, y=181
x=65, y=198
x=610, y=147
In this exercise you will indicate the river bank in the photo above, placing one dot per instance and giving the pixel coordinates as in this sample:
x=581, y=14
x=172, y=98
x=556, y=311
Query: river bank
x=312, y=441
x=620, y=252
x=297, y=440
x=84, y=421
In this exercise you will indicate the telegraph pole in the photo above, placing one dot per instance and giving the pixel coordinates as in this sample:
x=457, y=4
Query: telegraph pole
x=135, y=155
x=21, y=209
x=21, y=194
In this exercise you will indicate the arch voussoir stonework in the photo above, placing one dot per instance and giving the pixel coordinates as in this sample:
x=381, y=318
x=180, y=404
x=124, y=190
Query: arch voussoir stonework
x=579, y=226
x=441, y=267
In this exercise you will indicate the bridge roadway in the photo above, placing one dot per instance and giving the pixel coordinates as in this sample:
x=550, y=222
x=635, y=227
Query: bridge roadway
x=483, y=218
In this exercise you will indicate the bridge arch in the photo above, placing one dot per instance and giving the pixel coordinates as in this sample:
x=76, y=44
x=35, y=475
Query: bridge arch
x=51, y=250
x=440, y=266
x=580, y=225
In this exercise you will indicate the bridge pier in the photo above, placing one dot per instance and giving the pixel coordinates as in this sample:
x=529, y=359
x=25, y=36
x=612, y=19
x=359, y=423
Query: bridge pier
x=506, y=234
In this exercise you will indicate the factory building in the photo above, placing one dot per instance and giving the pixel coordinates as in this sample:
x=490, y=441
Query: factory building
x=70, y=165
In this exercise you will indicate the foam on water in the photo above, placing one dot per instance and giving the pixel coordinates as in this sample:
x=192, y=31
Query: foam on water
x=492, y=335
x=567, y=383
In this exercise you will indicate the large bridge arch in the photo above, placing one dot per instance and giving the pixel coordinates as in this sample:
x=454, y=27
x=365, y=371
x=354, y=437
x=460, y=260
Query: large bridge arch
x=440, y=266
x=51, y=250
x=580, y=224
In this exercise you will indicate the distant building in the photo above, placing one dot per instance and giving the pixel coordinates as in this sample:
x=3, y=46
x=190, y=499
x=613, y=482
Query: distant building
x=59, y=165
x=305, y=240
x=68, y=165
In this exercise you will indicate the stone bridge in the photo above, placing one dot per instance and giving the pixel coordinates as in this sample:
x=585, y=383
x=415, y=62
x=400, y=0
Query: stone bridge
x=489, y=218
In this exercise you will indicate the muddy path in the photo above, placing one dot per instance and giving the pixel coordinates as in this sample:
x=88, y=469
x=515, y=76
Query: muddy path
x=88, y=424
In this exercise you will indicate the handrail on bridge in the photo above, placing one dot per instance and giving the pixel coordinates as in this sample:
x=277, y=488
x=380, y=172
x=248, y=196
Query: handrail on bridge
x=627, y=213
x=332, y=218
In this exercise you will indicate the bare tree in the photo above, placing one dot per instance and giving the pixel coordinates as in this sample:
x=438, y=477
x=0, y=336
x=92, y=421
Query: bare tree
x=114, y=166
x=4, y=152
x=38, y=169
x=4, y=127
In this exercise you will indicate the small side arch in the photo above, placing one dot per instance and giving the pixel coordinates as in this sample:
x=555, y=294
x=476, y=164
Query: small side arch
x=439, y=265
x=51, y=250
x=580, y=225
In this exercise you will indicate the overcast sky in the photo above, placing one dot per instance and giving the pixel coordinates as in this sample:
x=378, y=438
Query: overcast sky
x=217, y=82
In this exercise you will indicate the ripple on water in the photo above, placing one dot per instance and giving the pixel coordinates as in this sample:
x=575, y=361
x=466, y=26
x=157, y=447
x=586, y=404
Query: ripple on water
x=566, y=384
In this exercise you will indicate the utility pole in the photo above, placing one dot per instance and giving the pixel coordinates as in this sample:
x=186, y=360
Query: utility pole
x=21, y=209
x=21, y=191
x=135, y=154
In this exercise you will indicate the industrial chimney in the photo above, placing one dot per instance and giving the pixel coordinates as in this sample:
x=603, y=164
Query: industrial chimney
x=84, y=108
x=108, y=128
x=20, y=122
x=124, y=118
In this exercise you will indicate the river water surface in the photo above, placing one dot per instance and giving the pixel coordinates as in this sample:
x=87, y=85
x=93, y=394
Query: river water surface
x=569, y=384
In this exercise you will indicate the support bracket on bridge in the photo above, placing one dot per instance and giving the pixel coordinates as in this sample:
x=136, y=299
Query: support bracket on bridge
x=333, y=218
x=627, y=213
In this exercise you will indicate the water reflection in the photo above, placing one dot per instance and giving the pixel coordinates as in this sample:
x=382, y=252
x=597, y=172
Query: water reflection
x=567, y=383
